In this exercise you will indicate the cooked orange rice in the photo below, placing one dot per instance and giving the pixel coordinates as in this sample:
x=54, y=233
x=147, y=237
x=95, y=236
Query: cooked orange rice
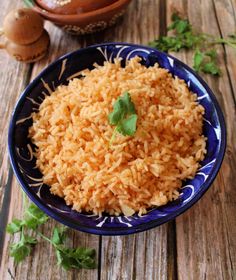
x=72, y=133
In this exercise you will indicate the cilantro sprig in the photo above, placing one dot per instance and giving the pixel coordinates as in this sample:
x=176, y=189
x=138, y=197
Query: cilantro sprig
x=123, y=116
x=185, y=37
x=33, y=218
x=70, y=258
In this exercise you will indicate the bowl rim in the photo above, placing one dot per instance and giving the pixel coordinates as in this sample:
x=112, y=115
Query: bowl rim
x=114, y=231
x=98, y=12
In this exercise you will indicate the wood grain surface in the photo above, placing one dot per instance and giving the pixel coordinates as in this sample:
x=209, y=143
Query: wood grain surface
x=201, y=243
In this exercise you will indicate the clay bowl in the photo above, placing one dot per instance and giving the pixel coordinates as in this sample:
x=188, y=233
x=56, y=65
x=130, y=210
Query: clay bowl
x=87, y=19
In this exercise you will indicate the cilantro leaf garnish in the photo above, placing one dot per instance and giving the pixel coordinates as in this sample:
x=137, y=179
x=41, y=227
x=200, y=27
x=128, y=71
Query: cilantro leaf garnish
x=185, y=37
x=123, y=116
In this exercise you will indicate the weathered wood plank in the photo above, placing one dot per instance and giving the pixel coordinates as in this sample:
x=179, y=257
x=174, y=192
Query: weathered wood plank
x=141, y=256
x=206, y=230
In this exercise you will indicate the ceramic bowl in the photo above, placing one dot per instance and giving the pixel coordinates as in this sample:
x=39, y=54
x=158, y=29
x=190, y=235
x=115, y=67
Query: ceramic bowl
x=85, y=22
x=30, y=178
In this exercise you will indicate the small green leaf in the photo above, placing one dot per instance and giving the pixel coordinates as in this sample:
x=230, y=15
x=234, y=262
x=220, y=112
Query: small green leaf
x=118, y=113
x=179, y=25
x=206, y=62
x=63, y=259
x=31, y=223
x=34, y=217
x=19, y=251
x=30, y=240
x=85, y=252
x=59, y=235
x=211, y=68
x=198, y=59
x=212, y=54
x=15, y=226
x=182, y=26
x=76, y=258
x=129, y=105
x=175, y=17
x=128, y=126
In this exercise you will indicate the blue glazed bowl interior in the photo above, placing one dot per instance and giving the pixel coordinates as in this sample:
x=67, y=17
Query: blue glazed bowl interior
x=21, y=149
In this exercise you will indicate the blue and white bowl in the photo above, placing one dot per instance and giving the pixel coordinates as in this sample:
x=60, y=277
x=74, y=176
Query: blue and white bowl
x=21, y=149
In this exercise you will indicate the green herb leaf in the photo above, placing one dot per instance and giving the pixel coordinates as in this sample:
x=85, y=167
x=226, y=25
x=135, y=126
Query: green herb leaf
x=63, y=259
x=59, y=235
x=129, y=105
x=34, y=217
x=212, y=54
x=123, y=116
x=19, y=251
x=118, y=112
x=128, y=126
x=206, y=62
x=15, y=226
x=198, y=59
x=30, y=240
x=76, y=258
x=179, y=25
x=121, y=108
x=211, y=68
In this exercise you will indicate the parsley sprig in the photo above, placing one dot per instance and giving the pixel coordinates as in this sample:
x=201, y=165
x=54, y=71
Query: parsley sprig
x=123, y=116
x=67, y=258
x=185, y=37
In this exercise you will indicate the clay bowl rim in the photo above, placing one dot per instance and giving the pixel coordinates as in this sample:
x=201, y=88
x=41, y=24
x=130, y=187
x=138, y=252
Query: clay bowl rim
x=49, y=15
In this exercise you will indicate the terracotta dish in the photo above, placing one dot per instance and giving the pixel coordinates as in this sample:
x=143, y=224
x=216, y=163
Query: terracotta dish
x=80, y=16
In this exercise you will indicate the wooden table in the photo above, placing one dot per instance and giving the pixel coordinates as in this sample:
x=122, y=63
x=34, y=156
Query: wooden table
x=201, y=243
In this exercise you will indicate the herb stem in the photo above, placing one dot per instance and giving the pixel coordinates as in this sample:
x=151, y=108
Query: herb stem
x=113, y=136
x=228, y=42
x=44, y=237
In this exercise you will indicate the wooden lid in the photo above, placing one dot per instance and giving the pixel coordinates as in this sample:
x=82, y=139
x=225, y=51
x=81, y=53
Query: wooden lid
x=23, y=26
